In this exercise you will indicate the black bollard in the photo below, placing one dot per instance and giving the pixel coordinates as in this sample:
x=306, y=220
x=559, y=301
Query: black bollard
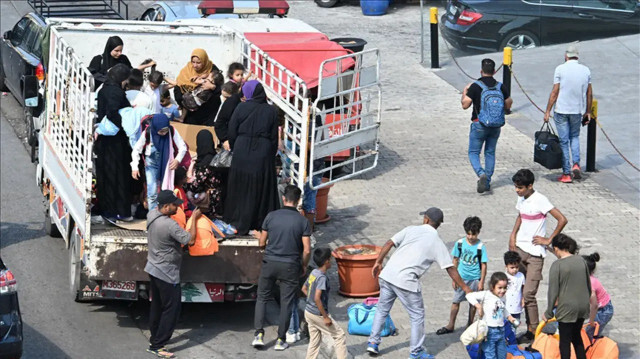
x=507, y=61
x=435, y=57
x=591, y=138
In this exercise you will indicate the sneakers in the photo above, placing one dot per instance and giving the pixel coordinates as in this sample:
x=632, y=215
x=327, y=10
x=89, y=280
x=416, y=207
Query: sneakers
x=293, y=337
x=577, y=174
x=372, y=348
x=565, y=178
x=161, y=353
x=421, y=355
x=258, y=341
x=482, y=183
x=281, y=345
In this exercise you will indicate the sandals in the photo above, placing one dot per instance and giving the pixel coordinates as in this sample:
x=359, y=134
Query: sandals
x=444, y=330
x=161, y=353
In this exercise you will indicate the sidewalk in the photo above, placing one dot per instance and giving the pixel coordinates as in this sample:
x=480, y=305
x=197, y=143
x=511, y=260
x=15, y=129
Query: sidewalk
x=424, y=163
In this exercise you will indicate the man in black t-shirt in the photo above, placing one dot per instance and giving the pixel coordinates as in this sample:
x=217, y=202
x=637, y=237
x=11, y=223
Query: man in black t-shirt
x=286, y=257
x=480, y=134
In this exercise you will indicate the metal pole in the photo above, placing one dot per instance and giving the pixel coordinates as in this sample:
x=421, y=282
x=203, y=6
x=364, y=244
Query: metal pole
x=421, y=31
x=435, y=58
x=591, y=138
x=507, y=61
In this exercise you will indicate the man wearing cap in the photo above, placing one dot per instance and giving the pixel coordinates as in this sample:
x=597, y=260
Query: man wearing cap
x=572, y=96
x=165, y=238
x=417, y=247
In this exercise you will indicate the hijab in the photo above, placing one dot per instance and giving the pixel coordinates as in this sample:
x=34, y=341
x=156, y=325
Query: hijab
x=109, y=61
x=160, y=143
x=254, y=92
x=204, y=148
x=117, y=74
x=188, y=72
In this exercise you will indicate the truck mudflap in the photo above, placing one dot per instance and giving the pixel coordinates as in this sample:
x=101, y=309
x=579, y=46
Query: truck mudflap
x=238, y=261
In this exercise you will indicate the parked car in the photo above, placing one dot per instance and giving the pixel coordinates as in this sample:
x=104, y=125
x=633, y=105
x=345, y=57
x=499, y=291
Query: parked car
x=10, y=318
x=520, y=24
x=176, y=10
x=182, y=10
x=22, y=71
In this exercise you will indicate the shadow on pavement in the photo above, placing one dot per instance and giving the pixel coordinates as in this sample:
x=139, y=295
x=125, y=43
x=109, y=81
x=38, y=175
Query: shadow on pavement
x=13, y=233
x=38, y=346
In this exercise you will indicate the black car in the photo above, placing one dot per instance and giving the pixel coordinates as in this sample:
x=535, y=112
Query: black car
x=491, y=25
x=10, y=318
x=22, y=71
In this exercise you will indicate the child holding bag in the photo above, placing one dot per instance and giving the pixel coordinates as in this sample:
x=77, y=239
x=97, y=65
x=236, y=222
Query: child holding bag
x=491, y=308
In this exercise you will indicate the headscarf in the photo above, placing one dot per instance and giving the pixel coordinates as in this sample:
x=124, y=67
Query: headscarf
x=188, y=72
x=109, y=61
x=253, y=91
x=117, y=74
x=160, y=143
x=204, y=148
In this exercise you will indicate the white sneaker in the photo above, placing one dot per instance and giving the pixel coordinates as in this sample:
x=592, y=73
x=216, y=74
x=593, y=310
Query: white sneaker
x=293, y=337
x=258, y=341
x=280, y=345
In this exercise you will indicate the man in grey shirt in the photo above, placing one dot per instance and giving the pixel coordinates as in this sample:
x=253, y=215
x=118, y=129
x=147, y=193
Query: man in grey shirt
x=165, y=241
x=417, y=247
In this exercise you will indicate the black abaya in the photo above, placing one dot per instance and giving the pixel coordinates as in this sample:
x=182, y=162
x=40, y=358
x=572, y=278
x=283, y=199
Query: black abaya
x=113, y=169
x=253, y=189
x=224, y=116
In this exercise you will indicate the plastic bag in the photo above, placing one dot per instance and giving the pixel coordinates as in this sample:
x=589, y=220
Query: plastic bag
x=222, y=159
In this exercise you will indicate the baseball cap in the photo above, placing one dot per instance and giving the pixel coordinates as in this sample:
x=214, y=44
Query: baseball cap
x=166, y=197
x=435, y=214
x=572, y=50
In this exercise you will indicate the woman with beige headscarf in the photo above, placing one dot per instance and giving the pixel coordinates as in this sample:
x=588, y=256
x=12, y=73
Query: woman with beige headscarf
x=193, y=74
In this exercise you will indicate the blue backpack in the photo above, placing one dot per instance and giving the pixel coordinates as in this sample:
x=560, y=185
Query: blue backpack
x=491, y=105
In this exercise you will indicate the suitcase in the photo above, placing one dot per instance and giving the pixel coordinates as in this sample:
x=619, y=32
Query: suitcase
x=546, y=149
x=602, y=347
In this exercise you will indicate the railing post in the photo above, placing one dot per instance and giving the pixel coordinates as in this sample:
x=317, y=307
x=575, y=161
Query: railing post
x=591, y=138
x=433, y=19
x=507, y=61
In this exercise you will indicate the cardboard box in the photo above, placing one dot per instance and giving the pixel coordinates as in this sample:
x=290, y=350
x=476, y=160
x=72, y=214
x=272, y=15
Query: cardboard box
x=189, y=133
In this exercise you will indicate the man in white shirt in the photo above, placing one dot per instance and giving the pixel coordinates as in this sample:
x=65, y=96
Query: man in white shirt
x=417, y=247
x=529, y=240
x=572, y=95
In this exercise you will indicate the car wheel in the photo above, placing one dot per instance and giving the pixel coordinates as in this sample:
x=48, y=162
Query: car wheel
x=519, y=40
x=50, y=227
x=327, y=3
x=75, y=265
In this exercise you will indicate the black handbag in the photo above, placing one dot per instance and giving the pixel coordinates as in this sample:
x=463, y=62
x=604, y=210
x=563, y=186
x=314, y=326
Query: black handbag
x=546, y=149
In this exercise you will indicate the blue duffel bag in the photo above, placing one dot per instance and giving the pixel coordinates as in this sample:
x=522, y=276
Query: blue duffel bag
x=361, y=320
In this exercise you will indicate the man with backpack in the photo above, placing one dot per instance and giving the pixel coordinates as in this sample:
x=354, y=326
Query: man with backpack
x=490, y=100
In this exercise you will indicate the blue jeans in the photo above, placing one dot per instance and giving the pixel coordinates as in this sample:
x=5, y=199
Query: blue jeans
x=412, y=302
x=603, y=316
x=495, y=347
x=480, y=134
x=309, y=198
x=294, y=323
x=569, y=134
x=151, y=169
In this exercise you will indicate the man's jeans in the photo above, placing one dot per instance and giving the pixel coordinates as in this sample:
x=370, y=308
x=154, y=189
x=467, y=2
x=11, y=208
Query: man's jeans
x=494, y=347
x=480, y=134
x=569, y=133
x=151, y=169
x=412, y=302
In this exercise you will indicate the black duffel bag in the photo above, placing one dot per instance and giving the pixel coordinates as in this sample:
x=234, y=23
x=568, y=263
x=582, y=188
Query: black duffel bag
x=547, y=150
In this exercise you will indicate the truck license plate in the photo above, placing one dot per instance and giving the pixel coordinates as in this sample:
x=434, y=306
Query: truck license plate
x=128, y=286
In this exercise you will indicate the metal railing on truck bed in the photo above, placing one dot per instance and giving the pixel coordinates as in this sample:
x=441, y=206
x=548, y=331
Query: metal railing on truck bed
x=95, y=9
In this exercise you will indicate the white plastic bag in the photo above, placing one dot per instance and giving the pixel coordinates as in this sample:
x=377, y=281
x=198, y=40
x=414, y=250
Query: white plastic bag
x=475, y=333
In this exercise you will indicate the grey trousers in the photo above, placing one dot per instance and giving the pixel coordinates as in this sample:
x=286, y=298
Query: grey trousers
x=412, y=302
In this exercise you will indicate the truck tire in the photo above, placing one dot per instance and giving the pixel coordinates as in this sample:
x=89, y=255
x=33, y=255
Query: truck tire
x=32, y=139
x=327, y=3
x=50, y=227
x=75, y=265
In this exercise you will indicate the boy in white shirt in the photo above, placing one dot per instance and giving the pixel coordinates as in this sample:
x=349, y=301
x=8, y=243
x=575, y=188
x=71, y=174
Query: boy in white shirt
x=513, y=298
x=529, y=240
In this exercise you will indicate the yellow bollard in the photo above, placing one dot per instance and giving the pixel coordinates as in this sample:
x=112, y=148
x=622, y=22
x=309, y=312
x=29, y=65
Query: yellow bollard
x=434, y=15
x=594, y=108
x=591, y=137
x=507, y=61
x=507, y=57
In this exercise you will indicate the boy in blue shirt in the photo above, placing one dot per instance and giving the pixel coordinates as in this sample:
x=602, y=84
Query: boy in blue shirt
x=470, y=258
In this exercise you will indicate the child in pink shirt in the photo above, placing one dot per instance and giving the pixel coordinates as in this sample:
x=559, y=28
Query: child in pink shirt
x=601, y=307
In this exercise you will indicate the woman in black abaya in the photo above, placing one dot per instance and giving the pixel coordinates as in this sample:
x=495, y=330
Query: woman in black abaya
x=253, y=138
x=111, y=56
x=113, y=171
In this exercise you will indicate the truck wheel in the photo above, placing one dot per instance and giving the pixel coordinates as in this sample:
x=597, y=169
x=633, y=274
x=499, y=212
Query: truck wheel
x=327, y=3
x=50, y=227
x=32, y=139
x=75, y=265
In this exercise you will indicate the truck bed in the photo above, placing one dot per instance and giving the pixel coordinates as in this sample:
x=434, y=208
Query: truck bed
x=120, y=254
